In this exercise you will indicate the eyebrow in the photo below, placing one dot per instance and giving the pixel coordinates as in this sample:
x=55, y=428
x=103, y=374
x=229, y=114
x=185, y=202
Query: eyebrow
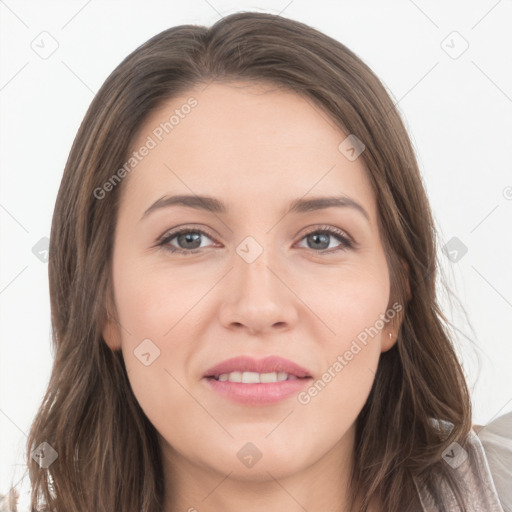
x=210, y=204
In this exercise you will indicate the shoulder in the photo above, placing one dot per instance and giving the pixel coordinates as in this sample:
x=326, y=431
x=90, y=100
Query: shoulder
x=473, y=470
x=496, y=441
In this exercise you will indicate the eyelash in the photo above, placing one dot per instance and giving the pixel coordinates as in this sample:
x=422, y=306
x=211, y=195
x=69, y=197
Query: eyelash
x=337, y=233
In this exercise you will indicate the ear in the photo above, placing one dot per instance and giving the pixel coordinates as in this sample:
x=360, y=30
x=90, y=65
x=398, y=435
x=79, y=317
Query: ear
x=390, y=333
x=111, y=333
x=389, y=337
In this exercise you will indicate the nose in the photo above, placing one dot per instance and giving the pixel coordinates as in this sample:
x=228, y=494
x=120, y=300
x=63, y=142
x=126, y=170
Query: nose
x=258, y=298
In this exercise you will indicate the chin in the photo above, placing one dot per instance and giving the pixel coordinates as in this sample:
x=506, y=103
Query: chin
x=258, y=458
x=267, y=468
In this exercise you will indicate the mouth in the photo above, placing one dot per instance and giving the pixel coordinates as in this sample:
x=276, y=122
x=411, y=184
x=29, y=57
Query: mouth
x=255, y=377
x=248, y=370
x=257, y=382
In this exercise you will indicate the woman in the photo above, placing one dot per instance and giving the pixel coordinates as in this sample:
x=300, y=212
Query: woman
x=294, y=356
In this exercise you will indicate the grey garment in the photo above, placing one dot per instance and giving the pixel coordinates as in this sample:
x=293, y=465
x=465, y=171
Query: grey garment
x=496, y=438
x=483, y=467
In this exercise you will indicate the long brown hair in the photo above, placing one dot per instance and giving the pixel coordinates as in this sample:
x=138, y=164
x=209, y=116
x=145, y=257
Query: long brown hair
x=108, y=451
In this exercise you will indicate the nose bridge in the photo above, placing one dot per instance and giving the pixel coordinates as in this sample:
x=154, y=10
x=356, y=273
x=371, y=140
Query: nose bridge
x=258, y=297
x=253, y=263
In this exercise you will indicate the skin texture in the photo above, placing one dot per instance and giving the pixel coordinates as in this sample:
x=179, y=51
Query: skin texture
x=256, y=148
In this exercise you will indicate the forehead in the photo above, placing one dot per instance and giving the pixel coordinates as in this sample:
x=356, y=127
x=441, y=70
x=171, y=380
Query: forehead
x=240, y=139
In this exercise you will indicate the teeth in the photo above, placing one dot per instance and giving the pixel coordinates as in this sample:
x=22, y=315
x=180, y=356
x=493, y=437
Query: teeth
x=255, y=378
x=250, y=377
x=235, y=377
x=268, y=377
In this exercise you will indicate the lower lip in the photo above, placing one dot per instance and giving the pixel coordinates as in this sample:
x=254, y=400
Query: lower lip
x=258, y=394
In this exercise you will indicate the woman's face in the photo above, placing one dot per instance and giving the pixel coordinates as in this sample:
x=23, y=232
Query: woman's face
x=249, y=276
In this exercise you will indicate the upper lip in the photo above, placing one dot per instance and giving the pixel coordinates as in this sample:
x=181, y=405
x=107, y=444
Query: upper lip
x=268, y=364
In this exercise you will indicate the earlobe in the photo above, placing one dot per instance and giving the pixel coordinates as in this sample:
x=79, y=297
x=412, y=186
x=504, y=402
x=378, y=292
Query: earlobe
x=388, y=340
x=111, y=333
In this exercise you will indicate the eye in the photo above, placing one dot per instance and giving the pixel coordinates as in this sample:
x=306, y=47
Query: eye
x=188, y=240
x=321, y=237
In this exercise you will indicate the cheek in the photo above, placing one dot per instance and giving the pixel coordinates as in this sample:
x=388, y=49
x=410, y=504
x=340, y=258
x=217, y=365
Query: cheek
x=352, y=301
x=151, y=301
x=354, y=308
x=155, y=312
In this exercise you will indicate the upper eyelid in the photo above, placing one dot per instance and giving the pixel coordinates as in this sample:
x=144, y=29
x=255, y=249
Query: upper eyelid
x=171, y=233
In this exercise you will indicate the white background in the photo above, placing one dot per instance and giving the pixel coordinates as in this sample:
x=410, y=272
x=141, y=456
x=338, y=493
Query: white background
x=458, y=112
